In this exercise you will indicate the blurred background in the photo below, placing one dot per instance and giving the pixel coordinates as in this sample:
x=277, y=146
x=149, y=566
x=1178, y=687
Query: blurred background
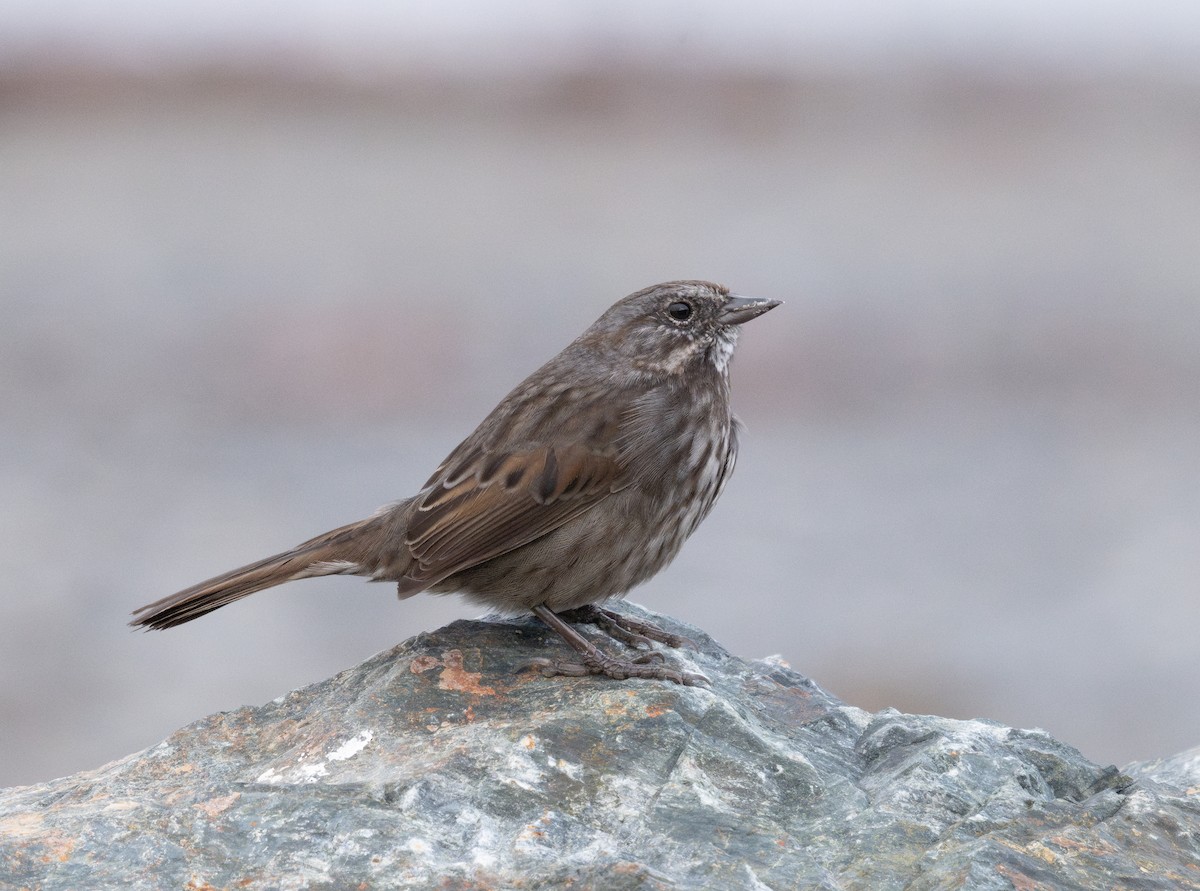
x=262, y=265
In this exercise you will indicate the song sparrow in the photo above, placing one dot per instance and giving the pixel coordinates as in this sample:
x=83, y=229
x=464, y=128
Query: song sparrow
x=583, y=482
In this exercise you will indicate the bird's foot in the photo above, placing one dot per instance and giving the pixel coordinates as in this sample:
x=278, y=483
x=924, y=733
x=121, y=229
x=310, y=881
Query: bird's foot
x=596, y=661
x=631, y=632
x=649, y=667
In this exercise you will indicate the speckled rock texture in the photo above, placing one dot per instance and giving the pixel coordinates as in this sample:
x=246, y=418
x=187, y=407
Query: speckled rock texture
x=439, y=764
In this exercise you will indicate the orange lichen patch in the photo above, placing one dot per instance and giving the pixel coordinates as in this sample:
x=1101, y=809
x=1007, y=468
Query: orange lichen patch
x=58, y=847
x=628, y=869
x=455, y=677
x=214, y=807
x=536, y=829
x=22, y=825
x=656, y=711
x=57, y=844
x=1033, y=849
x=1020, y=881
x=617, y=704
x=462, y=884
x=1093, y=845
x=422, y=664
x=170, y=800
x=1039, y=850
x=527, y=742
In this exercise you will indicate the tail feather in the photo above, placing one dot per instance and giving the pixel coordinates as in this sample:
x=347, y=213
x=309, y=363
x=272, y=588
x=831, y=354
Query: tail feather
x=333, y=553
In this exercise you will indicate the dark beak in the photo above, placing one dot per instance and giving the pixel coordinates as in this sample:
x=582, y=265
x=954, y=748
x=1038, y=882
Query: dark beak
x=738, y=310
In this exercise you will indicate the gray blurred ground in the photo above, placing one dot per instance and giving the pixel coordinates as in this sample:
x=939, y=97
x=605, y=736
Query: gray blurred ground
x=241, y=307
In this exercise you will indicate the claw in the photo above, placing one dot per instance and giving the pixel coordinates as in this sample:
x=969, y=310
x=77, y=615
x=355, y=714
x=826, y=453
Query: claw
x=549, y=668
x=654, y=656
x=617, y=669
x=631, y=632
x=649, y=666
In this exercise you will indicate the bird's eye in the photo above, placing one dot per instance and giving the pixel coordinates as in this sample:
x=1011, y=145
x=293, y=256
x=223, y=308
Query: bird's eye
x=680, y=310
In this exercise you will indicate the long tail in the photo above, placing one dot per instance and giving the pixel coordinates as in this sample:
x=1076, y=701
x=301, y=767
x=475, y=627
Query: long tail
x=339, y=552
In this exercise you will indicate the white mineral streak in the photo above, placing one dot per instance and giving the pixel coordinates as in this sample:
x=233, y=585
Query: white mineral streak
x=350, y=747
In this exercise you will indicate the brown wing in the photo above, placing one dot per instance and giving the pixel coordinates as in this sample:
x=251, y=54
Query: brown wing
x=500, y=502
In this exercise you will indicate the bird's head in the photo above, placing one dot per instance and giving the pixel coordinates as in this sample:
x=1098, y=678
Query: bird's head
x=668, y=328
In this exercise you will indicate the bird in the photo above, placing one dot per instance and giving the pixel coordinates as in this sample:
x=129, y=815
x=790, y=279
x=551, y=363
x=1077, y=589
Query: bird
x=583, y=482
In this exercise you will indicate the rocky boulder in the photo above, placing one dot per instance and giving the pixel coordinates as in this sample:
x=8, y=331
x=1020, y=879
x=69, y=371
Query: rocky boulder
x=440, y=764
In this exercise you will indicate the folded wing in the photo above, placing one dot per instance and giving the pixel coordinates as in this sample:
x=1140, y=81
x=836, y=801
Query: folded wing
x=498, y=502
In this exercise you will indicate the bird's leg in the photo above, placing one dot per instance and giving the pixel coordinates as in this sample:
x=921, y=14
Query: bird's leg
x=596, y=661
x=629, y=631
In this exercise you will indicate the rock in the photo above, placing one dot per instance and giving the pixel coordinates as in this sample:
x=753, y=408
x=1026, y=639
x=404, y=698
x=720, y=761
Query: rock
x=440, y=764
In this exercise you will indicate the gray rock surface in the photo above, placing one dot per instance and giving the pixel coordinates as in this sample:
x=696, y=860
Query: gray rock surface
x=438, y=764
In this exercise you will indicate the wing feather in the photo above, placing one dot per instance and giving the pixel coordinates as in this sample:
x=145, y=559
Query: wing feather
x=508, y=500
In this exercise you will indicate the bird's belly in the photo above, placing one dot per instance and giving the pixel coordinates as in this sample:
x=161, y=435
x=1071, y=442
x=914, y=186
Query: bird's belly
x=605, y=552
x=590, y=559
